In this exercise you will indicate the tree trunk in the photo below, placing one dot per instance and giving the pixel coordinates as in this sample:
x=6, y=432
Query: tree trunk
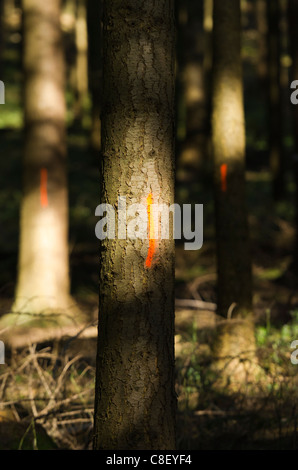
x=262, y=27
x=81, y=38
x=208, y=28
x=293, y=33
x=1, y=37
x=94, y=10
x=275, y=102
x=234, y=262
x=233, y=253
x=135, y=399
x=43, y=271
x=193, y=154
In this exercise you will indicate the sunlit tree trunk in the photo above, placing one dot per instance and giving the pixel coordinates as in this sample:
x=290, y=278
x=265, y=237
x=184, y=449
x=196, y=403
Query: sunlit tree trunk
x=135, y=399
x=228, y=127
x=43, y=271
x=94, y=17
x=275, y=100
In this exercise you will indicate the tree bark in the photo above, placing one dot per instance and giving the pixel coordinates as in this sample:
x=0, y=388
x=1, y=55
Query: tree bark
x=43, y=271
x=135, y=399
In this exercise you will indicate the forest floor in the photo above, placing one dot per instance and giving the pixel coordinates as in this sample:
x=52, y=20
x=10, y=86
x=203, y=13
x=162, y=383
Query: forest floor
x=47, y=388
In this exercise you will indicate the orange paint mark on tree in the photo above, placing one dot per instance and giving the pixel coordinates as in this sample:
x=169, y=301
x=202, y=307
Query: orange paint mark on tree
x=223, y=177
x=151, y=249
x=44, y=187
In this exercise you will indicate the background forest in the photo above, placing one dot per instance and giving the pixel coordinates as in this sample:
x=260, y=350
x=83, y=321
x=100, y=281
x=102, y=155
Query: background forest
x=47, y=384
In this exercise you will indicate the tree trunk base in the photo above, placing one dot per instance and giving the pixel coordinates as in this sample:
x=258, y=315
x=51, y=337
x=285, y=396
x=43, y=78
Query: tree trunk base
x=235, y=364
x=37, y=313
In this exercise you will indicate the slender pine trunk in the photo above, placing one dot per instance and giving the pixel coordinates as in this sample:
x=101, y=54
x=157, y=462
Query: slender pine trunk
x=276, y=156
x=262, y=27
x=194, y=148
x=94, y=17
x=293, y=35
x=2, y=37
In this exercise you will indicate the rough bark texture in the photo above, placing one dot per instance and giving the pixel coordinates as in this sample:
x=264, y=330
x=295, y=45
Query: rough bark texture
x=135, y=399
x=275, y=100
x=43, y=273
x=234, y=262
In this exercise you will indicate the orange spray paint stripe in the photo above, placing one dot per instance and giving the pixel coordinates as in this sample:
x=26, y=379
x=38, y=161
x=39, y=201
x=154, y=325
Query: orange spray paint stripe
x=223, y=177
x=43, y=187
x=151, y=249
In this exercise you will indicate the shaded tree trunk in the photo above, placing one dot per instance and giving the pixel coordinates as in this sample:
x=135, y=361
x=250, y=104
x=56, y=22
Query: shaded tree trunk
x=275, y=100
x=94, y=17
x=234, y=262
x=1, y=37
x=262, y=27
x=43, y=271
x=293, y=33
x=193, y=153
x=81, y=39
x=135, y=399
x=233, y=252
x=208, y=28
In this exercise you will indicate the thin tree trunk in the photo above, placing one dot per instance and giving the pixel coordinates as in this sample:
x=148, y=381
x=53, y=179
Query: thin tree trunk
x=207, y=67
x=43, y=271
x=193, y=153
x=69, y=10
x=94, y=17
x=275, y=102
x=135, y=399
x=233, y=252
x=293, y=33
x=262, y=27
x=2, y=37
x=208, y=28
x=81, y=37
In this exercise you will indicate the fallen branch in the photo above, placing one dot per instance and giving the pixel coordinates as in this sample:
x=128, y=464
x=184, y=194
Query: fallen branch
x=197, y=304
